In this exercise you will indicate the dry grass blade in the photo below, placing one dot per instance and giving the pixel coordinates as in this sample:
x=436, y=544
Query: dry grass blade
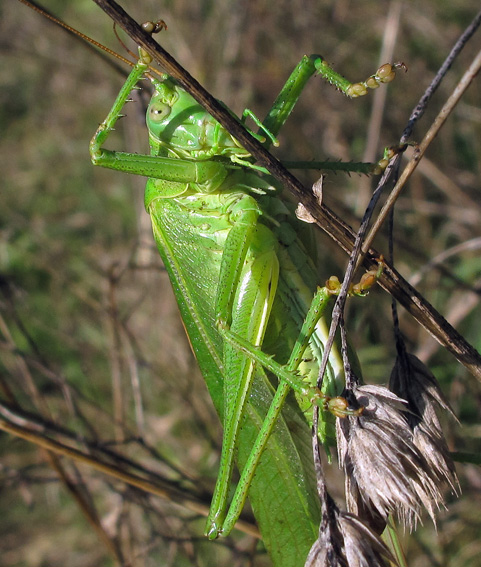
x=71, y=481
x=384, y=469
x=34, y=433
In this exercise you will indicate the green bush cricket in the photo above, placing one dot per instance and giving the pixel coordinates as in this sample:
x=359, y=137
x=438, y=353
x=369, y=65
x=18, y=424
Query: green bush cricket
x=243, y=278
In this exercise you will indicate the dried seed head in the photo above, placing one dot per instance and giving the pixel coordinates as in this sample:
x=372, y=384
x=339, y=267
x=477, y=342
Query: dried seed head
x=414, y=382
x=385, y=472
x=345, y=541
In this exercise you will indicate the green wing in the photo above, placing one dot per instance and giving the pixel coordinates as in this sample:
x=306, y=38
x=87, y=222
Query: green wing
x=282, y=493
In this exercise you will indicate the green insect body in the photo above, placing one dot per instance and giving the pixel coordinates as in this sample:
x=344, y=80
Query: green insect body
x=234, y=256
x=242, y=270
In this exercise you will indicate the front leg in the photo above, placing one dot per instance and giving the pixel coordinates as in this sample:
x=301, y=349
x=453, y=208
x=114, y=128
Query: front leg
x=176, y=175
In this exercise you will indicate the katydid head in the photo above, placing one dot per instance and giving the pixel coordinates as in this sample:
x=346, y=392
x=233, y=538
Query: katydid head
x=179, y=126
x=173, y=117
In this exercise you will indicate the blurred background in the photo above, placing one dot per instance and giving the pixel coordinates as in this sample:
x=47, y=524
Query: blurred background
x=90, y=335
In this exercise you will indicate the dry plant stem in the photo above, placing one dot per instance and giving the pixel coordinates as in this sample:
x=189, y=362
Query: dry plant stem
x=379, y=98
x=115, y=354
x=33, y=434
x=415, y=115
x=350, y=270
x=468, y=245
x=378, y=104
x=342, y=234
x=84, y=505
x=421, y=106
x=134, y=381
x=423, y=146
x=74, y=487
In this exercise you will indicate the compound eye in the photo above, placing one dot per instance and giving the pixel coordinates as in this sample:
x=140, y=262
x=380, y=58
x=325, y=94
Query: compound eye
x=158, y=111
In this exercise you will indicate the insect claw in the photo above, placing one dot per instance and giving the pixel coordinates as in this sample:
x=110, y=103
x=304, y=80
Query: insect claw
x=368, y=279
x=339, y=407
x=400, y=65
x=154, y=27
x=333, y=285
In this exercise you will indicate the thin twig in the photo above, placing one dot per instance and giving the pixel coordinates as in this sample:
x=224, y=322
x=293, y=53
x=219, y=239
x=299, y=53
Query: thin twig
x=378, y=104
x=34, y=433
x=423, y=101
x=75, y=486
